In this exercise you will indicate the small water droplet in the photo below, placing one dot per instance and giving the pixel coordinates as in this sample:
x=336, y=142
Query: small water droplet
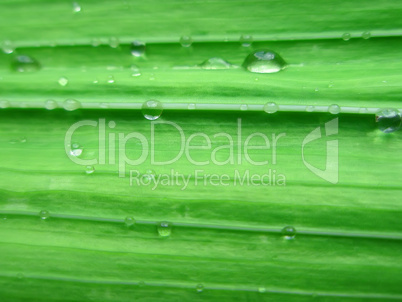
x=129, y=221
x=114, y=42
x=25, y=63
x=186, y=41
x=164, y=229
x=76, y=149
x=4, y=104
x=23, y=140
x=71, y=105
x=264, y=61
x=89, y=169
x=149, y=175
x=191, y=106
x=310, y=108
x=104, y=105
x=135, y=71
x=262, y=290
x=363, y=110
x=137, y=48
x=76, y=7
x=243, y=107
x=50, y=104
x=110, y=79
x=96, y=81
x=334, y=109
x=152, y=109
x=199, y=288
x=8, y=47
x=388, y=120
x=96, y=42
x=289, y=232
x=63, y=81
x=366, y=35
x=346, y=37
x=44, y=214
x=270, y=107
x=215, y=63
x=246, y=40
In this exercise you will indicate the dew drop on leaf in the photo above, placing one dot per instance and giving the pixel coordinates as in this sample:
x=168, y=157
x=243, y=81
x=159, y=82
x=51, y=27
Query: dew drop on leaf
x=199, y=288
x=137, y=48
x=271, y=107
x=76, y=149
x=388, y=120
x=71, y=105
x=152, y=109
x=25, y=63
x=346, y=37
x=289, y=232
x=186, y=41
x=63, y=81
x=264, y=61
x=50, y=104
x=7, y=47
x=215, y=63
x=164, y=229
x=366, y=35
x=246, y=40
x=44, y=214
x=334, y=109
x=129, y=221
x=89, y=169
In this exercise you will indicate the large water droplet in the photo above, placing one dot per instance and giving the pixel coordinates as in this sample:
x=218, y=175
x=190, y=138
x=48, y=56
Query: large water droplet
x=388, y=120
x=289, y=232
x=8, y=47
x=271, y=107
x=89, y=169
x=50, y=104
x=246, y=40
x=25, y=63
x=264, y=61
x=71, y=105
x=63, y=81
x=215, y=63
x=76, y=7
x=76, y=149
x=164, y=229
x=137, y=48
x=129, y=221
x=334, y=109
x=199, y=288
x=346, y=37
x=186, y=41
x=135, y=71
x=44, y=214
x=366, y=35
x=152, y=109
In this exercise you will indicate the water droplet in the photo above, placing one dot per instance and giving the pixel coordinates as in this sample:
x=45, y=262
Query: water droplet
x=96, y=81
x=114, y=42
x=4, y=104
x=149, y=175
x=310, y=108
x=199, y=288
x=129, y=221
x=164, y=229
x=76, y=149
x=366, y=35
x=388, y=120
x=96, y=42
x=76, y=7
x=270, y=107
x=71, y=105
x=23, y=140
x=50, y=104
x=8, y=47
x=186, y=41
x=346, y=37
x=246, y=40
x=25, y=63
x=243, y=107
x=135, y=71
x=152, y=109
x=363, y=110
x=104, y=105
x=264, y=61
x=191, y=106
x=289, y=232
x=110, y=79
x=63, y=81
x=215, y=63
x=137, y=48
x=44, y=214
x=89, y=169
x=262, y=290
x=334, y=109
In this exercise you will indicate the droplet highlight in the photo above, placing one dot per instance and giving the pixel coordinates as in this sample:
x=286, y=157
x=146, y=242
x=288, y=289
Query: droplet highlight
x=129, y=221
x=199, y=288
x=215, y=63
x=137, y=48
x=25, y=63
x=63, y=81
x=334, y=109
x=44, y=214
x=186, y=41
x=152, y=109
x=135, y=71
x=7, y=47
x=50, y=104
x=246, y=40
x=366, y=35
x=346, y=37
x=271, y=107
x=89, y=169
x=264, y=61
x=289, y=232
x=71, y=105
